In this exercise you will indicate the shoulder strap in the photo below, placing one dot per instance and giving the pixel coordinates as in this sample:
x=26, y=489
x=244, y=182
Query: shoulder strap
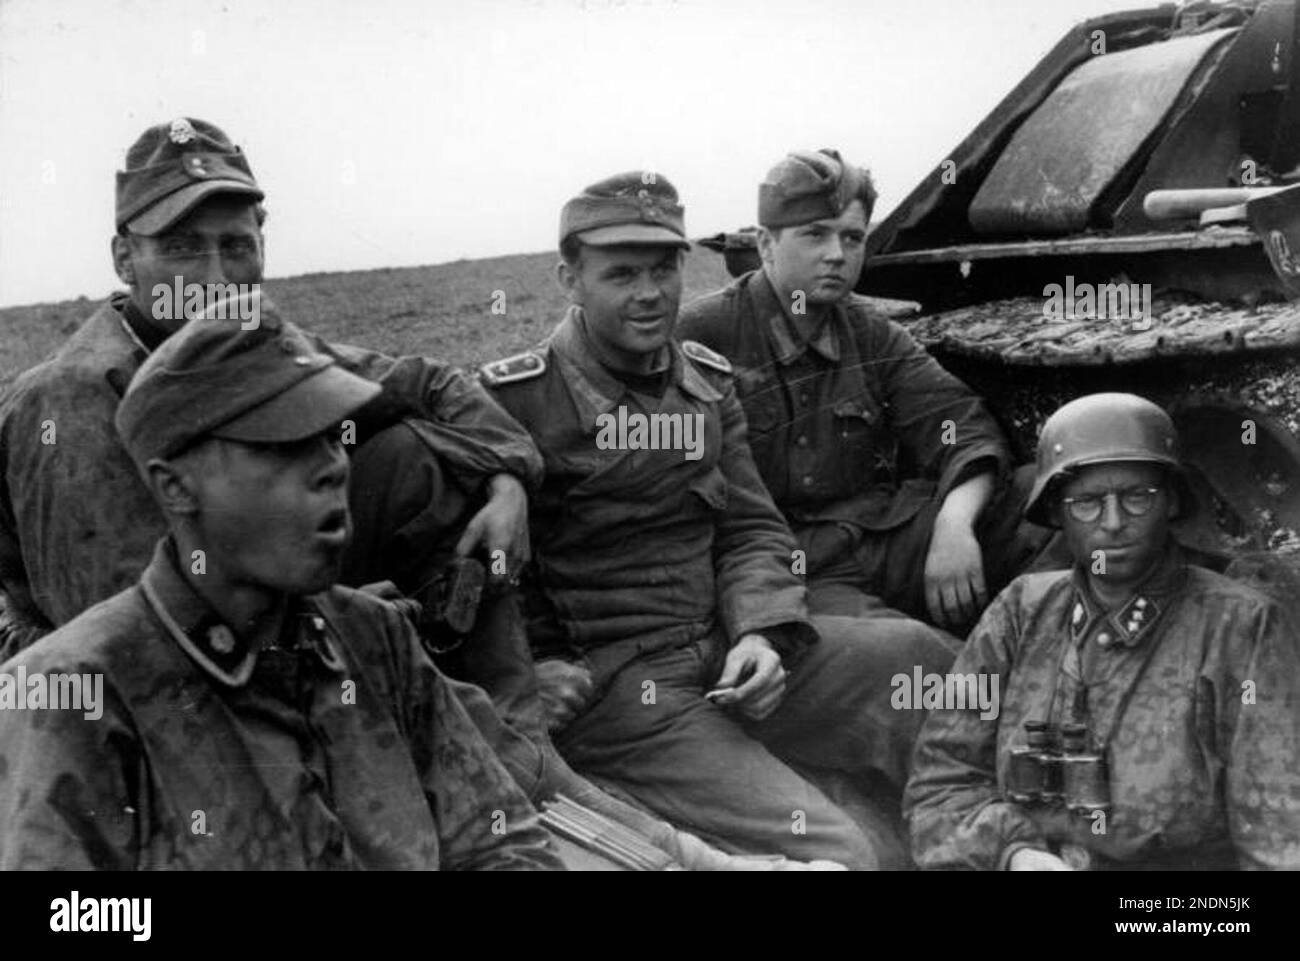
x=523, y=366
x=703, y=355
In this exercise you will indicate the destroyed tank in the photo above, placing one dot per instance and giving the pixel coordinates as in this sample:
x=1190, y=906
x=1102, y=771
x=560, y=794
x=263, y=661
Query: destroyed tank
x=1125, y=220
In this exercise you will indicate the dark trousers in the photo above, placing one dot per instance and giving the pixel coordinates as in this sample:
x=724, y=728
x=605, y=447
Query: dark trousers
x=739, y=783
x=408, y=512
x=683, y=758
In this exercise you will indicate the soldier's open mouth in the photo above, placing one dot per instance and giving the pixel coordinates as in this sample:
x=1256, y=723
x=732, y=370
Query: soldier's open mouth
x=335, y=525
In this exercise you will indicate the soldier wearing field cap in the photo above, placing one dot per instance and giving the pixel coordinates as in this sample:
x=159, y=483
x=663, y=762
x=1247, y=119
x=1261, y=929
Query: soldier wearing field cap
x=890, y=471
x=76, y=523
x=663, y=572
x=1165, y=697
x=252, y=714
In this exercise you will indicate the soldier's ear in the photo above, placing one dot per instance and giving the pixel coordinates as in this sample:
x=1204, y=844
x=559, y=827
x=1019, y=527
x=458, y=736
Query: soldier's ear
x=122, y=262
x=766, y=245
x=566, y=275
x=172, y=483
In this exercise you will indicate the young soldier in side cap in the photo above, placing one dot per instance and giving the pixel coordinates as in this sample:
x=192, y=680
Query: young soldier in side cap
x=252, y=715
x=1183, y=687
x=663, y=574
x=883, y=463
x=76, y=524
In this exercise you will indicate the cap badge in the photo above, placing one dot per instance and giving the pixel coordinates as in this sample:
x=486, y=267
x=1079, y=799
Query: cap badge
x=181, y=131
x=649, y=210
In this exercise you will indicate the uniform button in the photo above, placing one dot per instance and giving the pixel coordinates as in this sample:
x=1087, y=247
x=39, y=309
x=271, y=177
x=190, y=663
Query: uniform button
x=1103, y=639
x=1141, y=602
x=802, y=441
x=1077, y=616
x=221, y=639
x=807, y=480
x=1133, y=627
x=1138, y=614
x=803, y=399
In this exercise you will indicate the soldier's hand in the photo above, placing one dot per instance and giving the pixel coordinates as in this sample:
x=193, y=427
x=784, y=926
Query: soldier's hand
x=565, y=689
x=502, y=525
x=1030, y=859
x=752, y=679
x=954, y=575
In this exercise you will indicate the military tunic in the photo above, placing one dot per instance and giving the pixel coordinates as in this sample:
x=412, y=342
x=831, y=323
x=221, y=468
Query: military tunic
x=76, y=521
x=1192, y=690
x=339, y=747
x=649, y=565
x=858, y=433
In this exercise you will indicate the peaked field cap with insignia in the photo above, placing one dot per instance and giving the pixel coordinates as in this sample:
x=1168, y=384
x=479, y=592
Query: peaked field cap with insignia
x=1104, y=428
x=812, y=185
x=637, y=207
x=212, y=378
x=172, y=168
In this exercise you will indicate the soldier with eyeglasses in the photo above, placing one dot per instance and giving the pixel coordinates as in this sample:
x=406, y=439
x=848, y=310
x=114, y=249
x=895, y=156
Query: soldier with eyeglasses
x=1150, y=708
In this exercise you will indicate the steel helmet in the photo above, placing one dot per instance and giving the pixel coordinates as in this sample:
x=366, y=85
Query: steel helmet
x=1099, y=429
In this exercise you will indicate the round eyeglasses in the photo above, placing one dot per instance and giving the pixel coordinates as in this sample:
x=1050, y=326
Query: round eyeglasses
x=1134, y=501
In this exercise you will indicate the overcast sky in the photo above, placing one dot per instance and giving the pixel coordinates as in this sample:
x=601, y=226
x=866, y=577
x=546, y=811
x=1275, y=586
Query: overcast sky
x=392, y=133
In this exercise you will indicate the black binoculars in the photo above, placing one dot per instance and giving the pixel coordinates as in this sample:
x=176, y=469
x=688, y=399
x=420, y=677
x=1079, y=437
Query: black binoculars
x=1056, y=768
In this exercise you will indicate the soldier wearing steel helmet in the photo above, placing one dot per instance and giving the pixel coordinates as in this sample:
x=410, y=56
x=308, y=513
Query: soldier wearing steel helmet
x=1179, y=688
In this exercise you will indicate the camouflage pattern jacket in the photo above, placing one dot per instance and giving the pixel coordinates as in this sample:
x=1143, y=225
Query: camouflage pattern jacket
x=858, y=425
x=340, y=747
x=646, y=544
x=1193, y=691
x=77, y=523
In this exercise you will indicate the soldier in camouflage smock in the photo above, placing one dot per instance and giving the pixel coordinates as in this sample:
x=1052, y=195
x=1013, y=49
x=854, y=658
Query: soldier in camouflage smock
x=1186, y=685
x=76, y=524
x=252, y=715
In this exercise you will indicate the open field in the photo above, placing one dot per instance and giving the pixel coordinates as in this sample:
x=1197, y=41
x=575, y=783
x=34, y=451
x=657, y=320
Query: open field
x=442, y=311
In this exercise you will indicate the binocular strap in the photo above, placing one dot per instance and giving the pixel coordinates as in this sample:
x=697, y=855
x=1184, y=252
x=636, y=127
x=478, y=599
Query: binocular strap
x=1071, y=667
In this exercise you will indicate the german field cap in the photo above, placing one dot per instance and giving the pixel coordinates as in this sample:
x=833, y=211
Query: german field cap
x=213, y=378
x=637, y=207
x=808, y=186
x=172, y=168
